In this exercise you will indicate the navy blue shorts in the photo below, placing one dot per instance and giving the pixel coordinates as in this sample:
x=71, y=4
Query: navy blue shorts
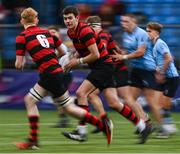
x=102, y=76
x=170, y=86
x=57, y=83
x=143, y=79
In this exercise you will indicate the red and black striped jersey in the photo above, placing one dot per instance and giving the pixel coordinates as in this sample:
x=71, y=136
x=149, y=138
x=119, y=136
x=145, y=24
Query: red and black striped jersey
x=110, y=44
x=40, y=45
x=57, y=41
x=108, y=41
x=85, y=36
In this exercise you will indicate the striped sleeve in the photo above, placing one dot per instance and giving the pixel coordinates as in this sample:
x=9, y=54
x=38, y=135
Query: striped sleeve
x=87, y=36
x=57, y=41
x=20, y=45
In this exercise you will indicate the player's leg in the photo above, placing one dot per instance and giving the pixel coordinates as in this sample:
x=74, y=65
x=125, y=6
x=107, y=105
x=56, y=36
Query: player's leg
x=169, y=91
x=124, y=93
x=111, y=97
x=69, y=107
x=95, y=100
x=82, y=93
x=153, y=97
x=63, y=119
x=166, y=125
x=168, y=122
x=80, y=133
x=152, y=92
x=136, y=86
x=35, y=94
x=136, y=106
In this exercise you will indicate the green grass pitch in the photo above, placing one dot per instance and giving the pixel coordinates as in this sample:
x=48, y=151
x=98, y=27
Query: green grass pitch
x=14, y=127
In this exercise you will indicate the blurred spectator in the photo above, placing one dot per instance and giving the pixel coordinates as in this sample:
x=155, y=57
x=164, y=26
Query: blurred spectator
x=109, y=10
x=13, y=9
x=107, y=14
x=141, y=18
x=84, y=10
x=119, y=8
x=2, y=12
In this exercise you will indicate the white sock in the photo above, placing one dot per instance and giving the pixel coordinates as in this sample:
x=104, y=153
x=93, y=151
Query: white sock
x=82, y=129
x=141, y=125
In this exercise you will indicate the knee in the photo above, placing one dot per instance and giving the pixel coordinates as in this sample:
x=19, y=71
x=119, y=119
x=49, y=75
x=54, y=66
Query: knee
x=113, y=103
x=29, y=101
x=80, y=94
x=129, y=100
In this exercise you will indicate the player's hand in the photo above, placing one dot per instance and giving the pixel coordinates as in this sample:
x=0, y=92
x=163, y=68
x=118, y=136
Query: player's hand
x=116, y=56
x=20, y=62
x=72, y=63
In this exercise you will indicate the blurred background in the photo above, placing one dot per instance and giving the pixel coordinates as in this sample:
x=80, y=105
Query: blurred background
x=14, y=85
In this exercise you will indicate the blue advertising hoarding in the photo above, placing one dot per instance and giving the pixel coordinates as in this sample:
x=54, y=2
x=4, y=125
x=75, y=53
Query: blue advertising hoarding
x=14, y=85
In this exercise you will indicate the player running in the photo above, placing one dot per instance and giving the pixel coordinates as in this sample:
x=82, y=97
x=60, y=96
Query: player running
x=39, y=44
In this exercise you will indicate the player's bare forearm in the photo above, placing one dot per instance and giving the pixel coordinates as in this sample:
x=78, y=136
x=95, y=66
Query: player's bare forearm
x=167, y=59
x=20, y=62
x=94, y=54
x=138, y=53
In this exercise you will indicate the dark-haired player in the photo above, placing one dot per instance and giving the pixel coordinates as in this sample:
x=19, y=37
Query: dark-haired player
x=39, y=43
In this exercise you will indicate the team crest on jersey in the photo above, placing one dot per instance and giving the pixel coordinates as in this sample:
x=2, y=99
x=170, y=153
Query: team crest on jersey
x=142, y=39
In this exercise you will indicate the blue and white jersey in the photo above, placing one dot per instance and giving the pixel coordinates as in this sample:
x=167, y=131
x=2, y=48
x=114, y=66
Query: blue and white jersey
x=131, y=42
x=159, y=50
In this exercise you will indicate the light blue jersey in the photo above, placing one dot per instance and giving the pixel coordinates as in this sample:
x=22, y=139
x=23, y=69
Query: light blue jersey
x=131, y=42
x=160, y=49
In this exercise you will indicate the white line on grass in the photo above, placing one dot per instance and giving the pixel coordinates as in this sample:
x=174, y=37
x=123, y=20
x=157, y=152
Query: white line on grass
x=47, y=124
x=91, y=153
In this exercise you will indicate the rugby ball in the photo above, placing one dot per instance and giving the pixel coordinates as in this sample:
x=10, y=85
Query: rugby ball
x=64, y=60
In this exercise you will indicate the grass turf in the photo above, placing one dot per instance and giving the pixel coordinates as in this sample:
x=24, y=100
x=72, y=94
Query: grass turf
x=14, y=127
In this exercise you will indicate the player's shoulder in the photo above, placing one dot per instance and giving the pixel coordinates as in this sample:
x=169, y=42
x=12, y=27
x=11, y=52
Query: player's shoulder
x=83, y=25
x=161, y=43
x=41, y=30
x=108, y=33
x=20, y=38
x=159, y=40
x=84, y=28
x=141, y=33
x=21, y=34
x=140, y=30
x=105, y=34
